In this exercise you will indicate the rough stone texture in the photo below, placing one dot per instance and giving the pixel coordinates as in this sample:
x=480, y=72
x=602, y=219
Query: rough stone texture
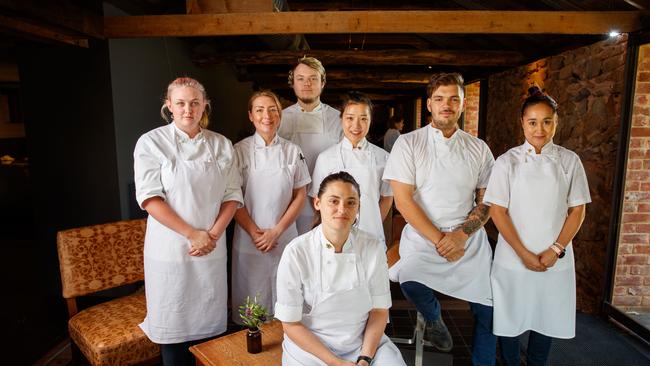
x=632, y=280
x=472, y=92
x=588, y=85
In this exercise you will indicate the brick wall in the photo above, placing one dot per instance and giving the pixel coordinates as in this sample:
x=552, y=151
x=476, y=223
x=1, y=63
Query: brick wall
x=472, y=93
x=588, y=84
x=632, y=281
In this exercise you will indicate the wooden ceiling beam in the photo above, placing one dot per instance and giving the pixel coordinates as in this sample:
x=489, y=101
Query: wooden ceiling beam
x=37, y=31
x=227, y=6
x=370, y=57
x=458, y=22
x=63, y=14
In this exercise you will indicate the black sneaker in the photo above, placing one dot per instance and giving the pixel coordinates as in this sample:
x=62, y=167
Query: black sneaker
x=437, y=333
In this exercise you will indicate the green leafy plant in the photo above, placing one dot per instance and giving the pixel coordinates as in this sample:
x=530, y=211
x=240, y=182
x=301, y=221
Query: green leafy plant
x=252, y=313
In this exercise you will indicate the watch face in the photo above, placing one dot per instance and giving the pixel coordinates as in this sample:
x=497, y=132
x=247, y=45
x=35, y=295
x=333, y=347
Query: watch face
x=561, y=254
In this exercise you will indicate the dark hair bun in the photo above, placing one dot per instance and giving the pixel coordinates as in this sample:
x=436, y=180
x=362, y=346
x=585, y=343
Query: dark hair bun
x=535, y=91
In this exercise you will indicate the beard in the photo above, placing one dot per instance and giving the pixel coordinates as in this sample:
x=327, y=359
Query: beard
x=307, y=100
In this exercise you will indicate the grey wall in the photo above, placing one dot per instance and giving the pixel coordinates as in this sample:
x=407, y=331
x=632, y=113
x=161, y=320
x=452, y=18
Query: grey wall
x=141, y=69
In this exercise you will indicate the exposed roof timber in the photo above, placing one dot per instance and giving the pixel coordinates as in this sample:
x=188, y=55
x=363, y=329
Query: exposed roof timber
x=371, y=57
x=41, y=32
x=379, y=76
x=459, y=22
x=65, y=14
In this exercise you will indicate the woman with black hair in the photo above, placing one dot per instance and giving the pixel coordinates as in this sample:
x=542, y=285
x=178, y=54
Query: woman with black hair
x=537, y=193
x=332, y=287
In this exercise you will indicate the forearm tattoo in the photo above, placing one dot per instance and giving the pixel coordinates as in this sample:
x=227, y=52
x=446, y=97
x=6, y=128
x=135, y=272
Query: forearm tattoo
x=478, y=216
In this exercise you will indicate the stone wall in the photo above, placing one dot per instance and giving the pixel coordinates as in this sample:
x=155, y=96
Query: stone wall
x=632, y=281
x=588, y=85
x=472, y=94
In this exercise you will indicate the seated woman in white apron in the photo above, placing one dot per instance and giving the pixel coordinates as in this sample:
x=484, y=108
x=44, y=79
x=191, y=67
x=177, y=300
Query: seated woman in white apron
x=333, y=289
x=186, y=180
x=363, y=160
x=274, y=180
x=537, y=193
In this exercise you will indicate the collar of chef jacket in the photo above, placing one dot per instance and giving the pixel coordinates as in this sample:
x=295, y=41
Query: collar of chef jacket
x=258, y=140
x=347, y=145
x=327, y=246
x=548, y=149
x=184, y=137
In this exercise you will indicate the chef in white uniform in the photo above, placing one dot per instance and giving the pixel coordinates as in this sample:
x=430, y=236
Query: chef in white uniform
x=537, y=193
x=438, y=174
x=333, y=289
x=310, y=124
x=363, y=160
x=186, y=179
x=274, y=184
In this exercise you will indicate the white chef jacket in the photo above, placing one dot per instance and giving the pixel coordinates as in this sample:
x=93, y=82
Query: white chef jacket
x=330, y=133
x=332, y=295
x=446, y=173
x=296, y=271
x=523, y=299
x=186, y=295
x=269, y=176
x=291, y=155
x=498, y=191
x=337, y=158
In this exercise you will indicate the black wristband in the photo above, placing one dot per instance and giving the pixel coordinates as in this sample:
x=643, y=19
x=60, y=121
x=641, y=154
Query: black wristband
x=364, y=358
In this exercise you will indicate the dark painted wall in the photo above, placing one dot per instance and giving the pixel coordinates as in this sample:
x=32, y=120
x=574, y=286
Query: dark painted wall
x=67, y=106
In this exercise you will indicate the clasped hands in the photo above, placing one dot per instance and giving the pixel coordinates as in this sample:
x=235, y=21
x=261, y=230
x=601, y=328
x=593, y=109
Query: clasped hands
x=202, y=242
x=452, y=245
x=265, y=239
x=539, y=262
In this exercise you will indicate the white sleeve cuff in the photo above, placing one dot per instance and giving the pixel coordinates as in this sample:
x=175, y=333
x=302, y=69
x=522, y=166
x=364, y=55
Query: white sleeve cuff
x=288, y=313
x=381, y=301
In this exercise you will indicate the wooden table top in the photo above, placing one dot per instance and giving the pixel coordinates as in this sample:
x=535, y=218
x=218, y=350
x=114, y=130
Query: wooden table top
x=231, y=349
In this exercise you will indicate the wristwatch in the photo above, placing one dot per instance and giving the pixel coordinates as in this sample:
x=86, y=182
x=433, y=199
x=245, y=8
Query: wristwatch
x=368, y=359
x=558, y=249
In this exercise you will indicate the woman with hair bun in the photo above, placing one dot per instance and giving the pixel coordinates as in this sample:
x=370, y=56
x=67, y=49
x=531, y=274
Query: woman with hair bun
x=537, y=193
x=186, y=179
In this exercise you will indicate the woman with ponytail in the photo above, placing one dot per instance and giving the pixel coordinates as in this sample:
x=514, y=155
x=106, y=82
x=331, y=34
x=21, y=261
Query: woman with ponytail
x=186, y=179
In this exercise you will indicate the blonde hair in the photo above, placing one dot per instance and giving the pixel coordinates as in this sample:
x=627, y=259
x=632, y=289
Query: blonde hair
x=265, y=93
x=191, y=83
x=311, y=62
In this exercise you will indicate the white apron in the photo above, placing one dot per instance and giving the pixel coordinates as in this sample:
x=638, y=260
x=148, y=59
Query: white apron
x=445, y=191
x=363, y=168
x=312, y=138
x=268, y=193
x=186, y=296
x=339, y=312
x=524, y=299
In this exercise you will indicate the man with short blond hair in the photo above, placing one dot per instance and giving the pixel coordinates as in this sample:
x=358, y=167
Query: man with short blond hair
x=310, y=124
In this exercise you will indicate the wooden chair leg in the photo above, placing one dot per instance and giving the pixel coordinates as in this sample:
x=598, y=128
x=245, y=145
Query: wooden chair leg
x=77, y=356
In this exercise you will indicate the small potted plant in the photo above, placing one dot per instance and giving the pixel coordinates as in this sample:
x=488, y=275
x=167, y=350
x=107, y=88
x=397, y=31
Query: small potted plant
x=253, y=315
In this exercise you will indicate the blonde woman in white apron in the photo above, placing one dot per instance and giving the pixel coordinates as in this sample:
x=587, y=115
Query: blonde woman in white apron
x=333, y=290
x=310, y=124
x=274, y=180
x=537, y=193
x=186, y=180
x=363, y=160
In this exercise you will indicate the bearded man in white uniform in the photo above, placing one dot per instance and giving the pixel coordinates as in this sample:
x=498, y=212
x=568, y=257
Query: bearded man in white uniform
x=438, y=174
x=310, y=124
